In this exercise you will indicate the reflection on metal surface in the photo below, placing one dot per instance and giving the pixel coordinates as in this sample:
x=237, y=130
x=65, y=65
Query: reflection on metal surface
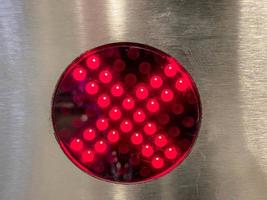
x=116, y=16
x=223, y=44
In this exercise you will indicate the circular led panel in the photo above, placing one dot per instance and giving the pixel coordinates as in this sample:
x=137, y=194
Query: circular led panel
x=126, y=112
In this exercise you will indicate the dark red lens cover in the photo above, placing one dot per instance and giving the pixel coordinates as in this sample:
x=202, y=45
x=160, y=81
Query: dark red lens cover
x=126, y=112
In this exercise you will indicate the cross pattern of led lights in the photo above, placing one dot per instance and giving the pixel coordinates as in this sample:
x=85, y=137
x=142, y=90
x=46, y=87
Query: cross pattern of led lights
x=126, y=112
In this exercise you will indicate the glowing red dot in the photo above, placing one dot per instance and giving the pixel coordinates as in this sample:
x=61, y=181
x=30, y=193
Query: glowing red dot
x=152, y=105
x=93, y=62
x=115, y=113
x=79, y=74
x=128, y=103
x=76, y=144
x=139, y=116
x=137, y=138
x=102, y=124
x=182, y=84
x=117, y=90
x=157, y=162
x=171, y=153
x=88, y=156
x=156, y=81
x=100, y=146
x=150, y=128
x=105, y=76
x=147, y=150
x=126, y=126
x=89, y=134
x=103, y=100
x=170, y=70
x=113, y=136
x=166, y=95
x=141, y=92
x=160, y=140
x=91, y=87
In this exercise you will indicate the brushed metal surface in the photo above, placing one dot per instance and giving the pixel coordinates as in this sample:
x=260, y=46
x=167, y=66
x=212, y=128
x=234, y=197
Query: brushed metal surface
x=222, y=43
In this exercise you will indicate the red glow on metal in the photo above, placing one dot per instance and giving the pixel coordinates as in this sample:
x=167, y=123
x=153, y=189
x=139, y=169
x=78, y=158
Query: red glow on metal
x=126, y=112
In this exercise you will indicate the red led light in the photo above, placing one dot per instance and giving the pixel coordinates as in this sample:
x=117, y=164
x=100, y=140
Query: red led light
x=156, y=81
x=89, y=134
x=102, y=124
x=147, y=150
x=141, y=92
x=93, y=62
x=91, y=87
x=152, y=105
x=105, y=76
x=166, y=95
x=182, y=84
x=171, y=153
x=79, y=74
x=126, y=126
x=88, y=156
x=139, y=116
x=160, y=140
x=137, y=138
x=76, y=144
x=128, y=103
x=113, y=136
x=150, y=128
x=170, y=70
x=126, y=112
x=115, y=113
x=157, y=162
x=103, y=101
x=117, y=90
x=100, y=147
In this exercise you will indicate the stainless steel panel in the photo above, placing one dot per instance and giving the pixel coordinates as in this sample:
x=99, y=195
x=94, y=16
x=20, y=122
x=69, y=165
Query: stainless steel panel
x=223, y=44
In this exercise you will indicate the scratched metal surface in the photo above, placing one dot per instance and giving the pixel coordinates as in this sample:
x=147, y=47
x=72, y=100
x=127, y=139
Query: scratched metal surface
x=223, y=44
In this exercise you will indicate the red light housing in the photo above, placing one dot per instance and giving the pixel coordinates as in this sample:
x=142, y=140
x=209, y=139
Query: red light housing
x=126, y=112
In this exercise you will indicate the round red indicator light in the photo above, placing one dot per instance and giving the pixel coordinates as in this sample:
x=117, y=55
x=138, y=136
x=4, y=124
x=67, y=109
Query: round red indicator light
x=126, y=112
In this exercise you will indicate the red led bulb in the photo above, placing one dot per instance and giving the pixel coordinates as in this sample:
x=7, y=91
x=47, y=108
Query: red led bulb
x=126, y=112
